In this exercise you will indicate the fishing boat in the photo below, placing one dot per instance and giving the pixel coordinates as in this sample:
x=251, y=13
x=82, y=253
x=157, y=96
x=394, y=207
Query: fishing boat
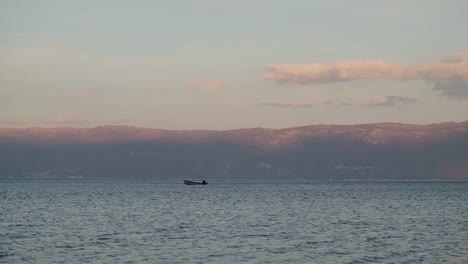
x=186, y=182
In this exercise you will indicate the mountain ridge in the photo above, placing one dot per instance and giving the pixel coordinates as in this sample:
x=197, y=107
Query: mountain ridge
x=382, y=151
x=375, y=133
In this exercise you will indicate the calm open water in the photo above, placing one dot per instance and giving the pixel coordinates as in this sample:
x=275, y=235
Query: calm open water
x=233, y=222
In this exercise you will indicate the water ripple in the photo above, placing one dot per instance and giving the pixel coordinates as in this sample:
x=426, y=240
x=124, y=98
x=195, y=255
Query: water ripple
x=231, y=222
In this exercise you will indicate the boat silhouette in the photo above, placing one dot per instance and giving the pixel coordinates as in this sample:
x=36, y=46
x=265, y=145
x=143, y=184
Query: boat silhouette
x=186, y=182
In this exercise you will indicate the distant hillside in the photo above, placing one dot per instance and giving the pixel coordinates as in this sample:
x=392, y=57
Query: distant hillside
x=368, y=151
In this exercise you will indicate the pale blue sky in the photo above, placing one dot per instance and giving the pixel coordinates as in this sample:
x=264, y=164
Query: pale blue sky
x=201, y=64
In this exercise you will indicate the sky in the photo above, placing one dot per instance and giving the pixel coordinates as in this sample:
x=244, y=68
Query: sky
x=218, y=64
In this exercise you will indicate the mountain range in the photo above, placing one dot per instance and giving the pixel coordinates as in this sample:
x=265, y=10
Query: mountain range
x=383, y=151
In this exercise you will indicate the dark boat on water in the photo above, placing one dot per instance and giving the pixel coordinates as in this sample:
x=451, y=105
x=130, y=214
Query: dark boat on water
x=195, y=183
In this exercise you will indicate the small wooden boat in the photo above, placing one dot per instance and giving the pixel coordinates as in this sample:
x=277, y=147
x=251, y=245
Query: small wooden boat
x=195, y=183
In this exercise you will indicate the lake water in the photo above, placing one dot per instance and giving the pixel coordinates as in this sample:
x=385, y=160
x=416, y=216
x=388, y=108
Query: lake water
x=233, y=222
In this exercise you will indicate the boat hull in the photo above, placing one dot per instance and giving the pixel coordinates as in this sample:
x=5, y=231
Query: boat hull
x=194, y=183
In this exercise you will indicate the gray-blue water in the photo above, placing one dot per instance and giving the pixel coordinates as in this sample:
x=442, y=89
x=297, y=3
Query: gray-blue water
x=233, y=222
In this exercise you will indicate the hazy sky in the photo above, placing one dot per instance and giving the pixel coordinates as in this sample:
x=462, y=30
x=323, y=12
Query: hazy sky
x=215, y=64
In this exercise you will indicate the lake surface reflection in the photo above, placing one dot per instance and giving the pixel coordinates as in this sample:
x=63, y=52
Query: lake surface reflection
x=232, y=222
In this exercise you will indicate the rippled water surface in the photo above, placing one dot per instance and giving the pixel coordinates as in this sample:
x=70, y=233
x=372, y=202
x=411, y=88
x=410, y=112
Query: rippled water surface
x=233, y=222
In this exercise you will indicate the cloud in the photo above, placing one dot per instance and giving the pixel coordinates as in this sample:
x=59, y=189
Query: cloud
x=337, y=72
x=389, y=100
x=291, y=105
x=453, y=67
x=207, y=85
x=452, y=89
x=455, y=58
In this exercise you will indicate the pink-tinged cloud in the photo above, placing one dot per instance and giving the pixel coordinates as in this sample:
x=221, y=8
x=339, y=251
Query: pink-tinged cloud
x=454, y=67
x=389, y=100
x=337, y=72
x=207, y=85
